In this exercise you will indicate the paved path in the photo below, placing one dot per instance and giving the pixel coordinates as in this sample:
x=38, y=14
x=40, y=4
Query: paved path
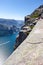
x=30, y=52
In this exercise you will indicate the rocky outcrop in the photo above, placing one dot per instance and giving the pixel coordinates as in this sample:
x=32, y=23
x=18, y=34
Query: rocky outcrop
x=37, y=14
x=20, y=39
x=30, y=21
x=25, y=30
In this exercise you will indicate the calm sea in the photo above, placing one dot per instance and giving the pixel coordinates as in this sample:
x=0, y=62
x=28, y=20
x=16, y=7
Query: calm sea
x=7, y=46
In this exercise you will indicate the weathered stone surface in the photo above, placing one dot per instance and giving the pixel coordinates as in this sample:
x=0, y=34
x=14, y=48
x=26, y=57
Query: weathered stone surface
x=20, y=39
x=42, y=15
x=30, y=52
x=29, y=19
x=25, y=30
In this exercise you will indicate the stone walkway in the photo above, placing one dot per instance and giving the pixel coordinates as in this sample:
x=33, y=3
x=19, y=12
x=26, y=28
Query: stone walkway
x=30, y=52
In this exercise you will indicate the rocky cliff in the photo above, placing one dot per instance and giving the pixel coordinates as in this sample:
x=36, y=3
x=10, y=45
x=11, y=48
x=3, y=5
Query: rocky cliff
x=37, y=14
x=30, y=21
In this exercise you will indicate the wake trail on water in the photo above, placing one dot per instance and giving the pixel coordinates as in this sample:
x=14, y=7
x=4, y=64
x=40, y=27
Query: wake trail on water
x=4, y=43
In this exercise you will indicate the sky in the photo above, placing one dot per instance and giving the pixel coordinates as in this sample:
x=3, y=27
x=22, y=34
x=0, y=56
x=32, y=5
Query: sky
x=18, y=9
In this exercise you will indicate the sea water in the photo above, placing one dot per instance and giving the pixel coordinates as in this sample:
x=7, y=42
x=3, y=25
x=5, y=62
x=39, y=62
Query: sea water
x=7, y=46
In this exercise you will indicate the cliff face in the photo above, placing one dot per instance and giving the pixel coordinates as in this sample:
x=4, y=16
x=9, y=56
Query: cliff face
x=20, y=39
x=37, y=14
x=30, y=21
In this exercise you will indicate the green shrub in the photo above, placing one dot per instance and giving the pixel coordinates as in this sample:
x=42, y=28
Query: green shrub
x=32, y=26
x=35, y=15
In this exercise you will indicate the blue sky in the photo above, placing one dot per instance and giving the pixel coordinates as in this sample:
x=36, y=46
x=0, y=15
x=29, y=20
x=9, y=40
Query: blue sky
x=18, y=9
